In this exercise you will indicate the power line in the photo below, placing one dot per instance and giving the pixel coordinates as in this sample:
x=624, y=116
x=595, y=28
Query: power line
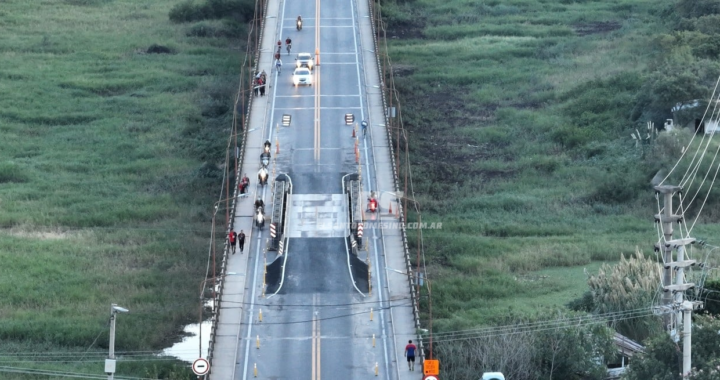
x=77, y=375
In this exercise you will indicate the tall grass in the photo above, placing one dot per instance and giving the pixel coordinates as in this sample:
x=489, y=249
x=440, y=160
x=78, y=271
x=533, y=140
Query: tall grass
x=520, y=116
x=109, y=162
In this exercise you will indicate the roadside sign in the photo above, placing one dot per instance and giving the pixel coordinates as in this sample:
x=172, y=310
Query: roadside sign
x=201, y=367
x=431, y=377
x=431, y=367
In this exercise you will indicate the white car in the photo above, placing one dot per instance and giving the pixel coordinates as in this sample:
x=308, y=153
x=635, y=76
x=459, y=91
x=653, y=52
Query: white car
x=305, y=59
x=492, y=376
x=302, y=75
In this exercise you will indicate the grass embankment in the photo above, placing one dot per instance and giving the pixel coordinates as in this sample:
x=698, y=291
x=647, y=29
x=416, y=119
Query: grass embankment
x=520, y=115
x=109, y=165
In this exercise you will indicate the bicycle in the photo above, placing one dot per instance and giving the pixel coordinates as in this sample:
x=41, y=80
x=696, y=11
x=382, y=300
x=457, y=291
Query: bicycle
x=289, y=46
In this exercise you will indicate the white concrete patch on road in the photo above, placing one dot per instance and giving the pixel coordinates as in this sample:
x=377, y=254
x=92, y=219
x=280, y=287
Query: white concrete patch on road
x=317, y=216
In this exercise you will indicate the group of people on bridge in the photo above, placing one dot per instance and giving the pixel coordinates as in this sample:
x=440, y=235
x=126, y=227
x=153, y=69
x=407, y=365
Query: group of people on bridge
x=260, y=81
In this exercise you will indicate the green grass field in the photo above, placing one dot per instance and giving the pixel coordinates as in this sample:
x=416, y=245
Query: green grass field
x=519, y=120
x=109, y=165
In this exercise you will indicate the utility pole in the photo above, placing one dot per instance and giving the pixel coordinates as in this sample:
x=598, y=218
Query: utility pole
x=667, y=219
x=674, y=294
x=110, y=362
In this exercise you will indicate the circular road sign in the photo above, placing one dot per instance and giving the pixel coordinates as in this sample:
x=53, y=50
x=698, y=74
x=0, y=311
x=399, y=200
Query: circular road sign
x=430, y=377
x=201, y=367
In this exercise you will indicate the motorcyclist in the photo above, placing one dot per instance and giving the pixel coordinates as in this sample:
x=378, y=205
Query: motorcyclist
x=372, y=204
x=259, y=203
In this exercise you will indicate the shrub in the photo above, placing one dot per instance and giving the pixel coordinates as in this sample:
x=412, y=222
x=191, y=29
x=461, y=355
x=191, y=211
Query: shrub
x=629, y=285
x=189, y=11
x=11, y=172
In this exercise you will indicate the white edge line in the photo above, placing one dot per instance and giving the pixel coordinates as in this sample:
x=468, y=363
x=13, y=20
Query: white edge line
x=347, y=250
x=287, y=239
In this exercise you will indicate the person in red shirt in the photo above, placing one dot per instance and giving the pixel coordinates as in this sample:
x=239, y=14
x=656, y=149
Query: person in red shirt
x=410, y=354
x=232, y=236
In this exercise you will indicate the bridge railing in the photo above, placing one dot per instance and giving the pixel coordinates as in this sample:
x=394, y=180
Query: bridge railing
x=242, y=109
x=393, y=122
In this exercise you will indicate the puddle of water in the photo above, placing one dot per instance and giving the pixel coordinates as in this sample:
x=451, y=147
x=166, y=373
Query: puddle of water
x=187, y=349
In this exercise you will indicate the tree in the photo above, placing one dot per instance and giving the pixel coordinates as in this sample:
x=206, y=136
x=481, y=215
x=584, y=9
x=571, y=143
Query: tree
x=556, y=347
x=662, y=359
x=510, y=352
x=574, y=351
x=658, y=362
x=629, y=285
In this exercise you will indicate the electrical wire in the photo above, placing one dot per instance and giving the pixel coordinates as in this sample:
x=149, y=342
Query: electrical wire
x=695, y=134
x=77, y=375
x=311, y=305
x=95, y=340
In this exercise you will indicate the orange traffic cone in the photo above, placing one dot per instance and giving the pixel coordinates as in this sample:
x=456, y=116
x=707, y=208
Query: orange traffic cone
x=390, y=209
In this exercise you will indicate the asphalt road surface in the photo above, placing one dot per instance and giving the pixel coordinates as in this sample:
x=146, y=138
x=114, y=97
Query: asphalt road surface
x=318, y=324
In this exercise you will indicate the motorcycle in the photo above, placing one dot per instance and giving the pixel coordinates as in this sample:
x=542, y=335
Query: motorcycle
x=265, y=155
x=372, y=205
x=263, y=176
x=259, y=218
x=298, y=24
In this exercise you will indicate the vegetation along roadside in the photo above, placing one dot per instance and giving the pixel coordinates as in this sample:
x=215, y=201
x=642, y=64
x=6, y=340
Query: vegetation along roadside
x=114, y=118
x=520, y=116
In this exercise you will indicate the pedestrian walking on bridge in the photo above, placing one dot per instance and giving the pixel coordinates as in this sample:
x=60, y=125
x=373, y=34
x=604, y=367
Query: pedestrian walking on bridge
x=410, y=354
x=241, y=241
x=232, y=237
